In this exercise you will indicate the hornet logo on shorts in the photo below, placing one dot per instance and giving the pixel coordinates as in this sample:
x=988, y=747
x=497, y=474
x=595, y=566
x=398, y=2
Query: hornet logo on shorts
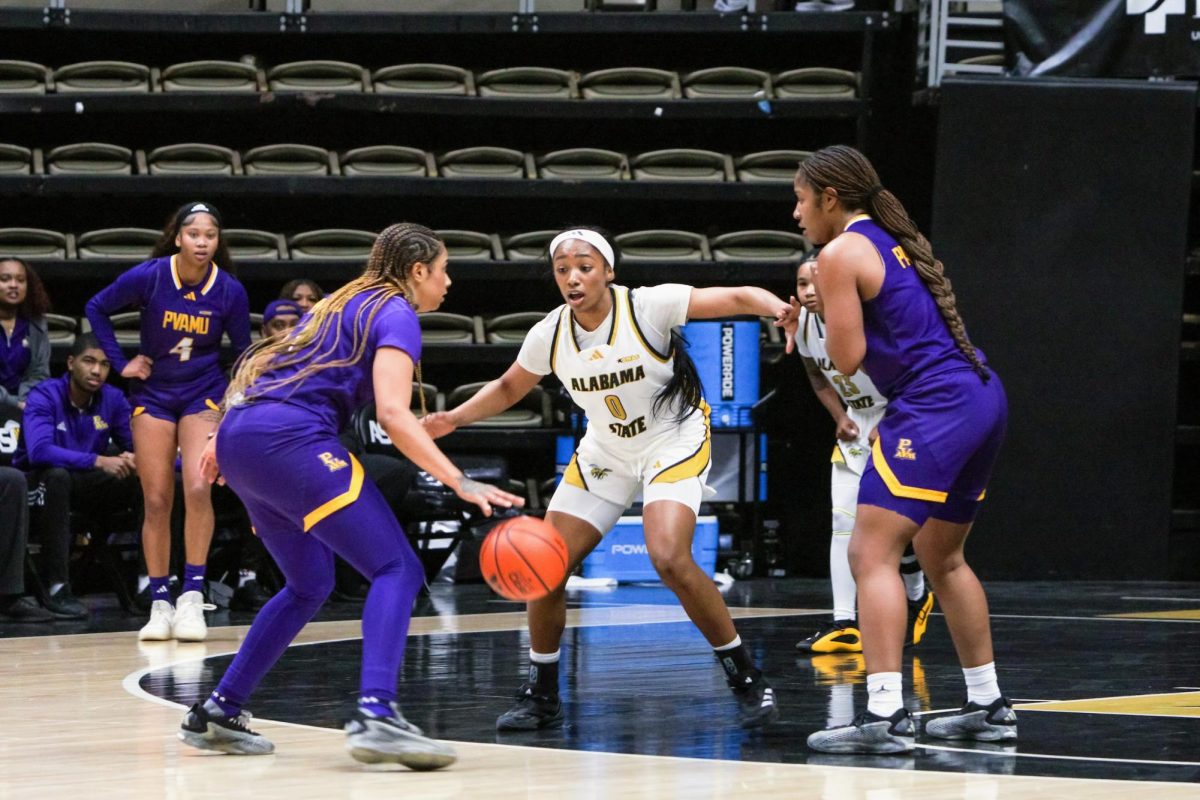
x=332, y=462
x=1156, y=12
x=598, y=472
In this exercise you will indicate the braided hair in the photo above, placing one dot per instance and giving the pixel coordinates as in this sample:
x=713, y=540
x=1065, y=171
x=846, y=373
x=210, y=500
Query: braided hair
x=389, y=268
x=851, y=174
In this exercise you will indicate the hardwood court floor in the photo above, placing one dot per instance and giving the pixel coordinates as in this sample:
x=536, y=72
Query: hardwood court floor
x=1108, y=676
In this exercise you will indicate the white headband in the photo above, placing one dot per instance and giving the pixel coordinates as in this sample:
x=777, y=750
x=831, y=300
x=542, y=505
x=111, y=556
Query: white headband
x=591, y=237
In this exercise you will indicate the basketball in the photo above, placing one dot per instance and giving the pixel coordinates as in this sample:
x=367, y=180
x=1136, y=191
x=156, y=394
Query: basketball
x=523, y=558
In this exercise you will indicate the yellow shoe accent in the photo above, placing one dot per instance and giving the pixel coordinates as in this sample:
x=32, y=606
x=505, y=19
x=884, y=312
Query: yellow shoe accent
x=921, y=619
x=833, y=637
x=836, y=669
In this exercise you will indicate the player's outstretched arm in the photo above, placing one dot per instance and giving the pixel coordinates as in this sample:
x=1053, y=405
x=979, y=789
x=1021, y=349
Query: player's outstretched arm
x=499, y=395
x=731, y=301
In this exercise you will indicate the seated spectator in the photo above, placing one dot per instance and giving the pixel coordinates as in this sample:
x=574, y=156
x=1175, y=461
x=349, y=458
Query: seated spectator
x=303, y=292
x=281, y=316
x=71, y=425
x=14, y=532
x=25, y=344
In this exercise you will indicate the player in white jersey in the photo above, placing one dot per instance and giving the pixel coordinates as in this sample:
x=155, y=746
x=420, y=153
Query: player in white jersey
x=617, y=352
x=857, y=407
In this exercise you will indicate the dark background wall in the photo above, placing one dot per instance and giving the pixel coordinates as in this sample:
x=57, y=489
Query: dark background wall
x=1061, y=211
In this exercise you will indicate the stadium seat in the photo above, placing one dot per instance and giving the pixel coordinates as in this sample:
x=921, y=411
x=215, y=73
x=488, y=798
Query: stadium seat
x=90, y=158
x=332, y=244
x=630, y=83
x=663, y=245
x=471, y=245
x=423, y=79
x=539, y=83
x=529, y=246
x=212, y=76
x=816, y=83
x=318, y=76
x=441, y=327
x=24, y=77
x=192, y=158
x=583, y=164
x=126, y=244
x=759, y=245
x=255, y=329
x=253, y=244
x=484, y=162
x=17, y=160
x=31, y=243
x=104, y=76
x=721, y=83
x=769, y=166
x=511, y=328
x=532, y=411
x=681, y=164
x=288, y=159
x=389, y=161
x=127, y=326
x=61, y=329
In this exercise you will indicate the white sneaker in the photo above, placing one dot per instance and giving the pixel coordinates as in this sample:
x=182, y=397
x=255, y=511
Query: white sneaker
x=825, y=5
x=188, y=625
x=726, y=6
x=158, y=629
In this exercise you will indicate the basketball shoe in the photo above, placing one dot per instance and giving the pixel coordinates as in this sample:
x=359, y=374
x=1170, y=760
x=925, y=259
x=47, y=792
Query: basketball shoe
x=208, y=731
x=395, y=740
x=188, y=624
x=825, y=5
x=869, y=733
x=995, y=722
x=531, y=712
x=158, y=629
x=918, y=617
x=834, y=636
x=755, y=699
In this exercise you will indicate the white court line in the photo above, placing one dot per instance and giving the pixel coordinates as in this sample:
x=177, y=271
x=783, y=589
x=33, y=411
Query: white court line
x=1164, y=599
x=1093, y=619
x=1064, y=758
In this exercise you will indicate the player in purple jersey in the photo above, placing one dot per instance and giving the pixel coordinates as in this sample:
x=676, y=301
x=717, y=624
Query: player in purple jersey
x=890, y=310
x=187, y=300
x=278, y=448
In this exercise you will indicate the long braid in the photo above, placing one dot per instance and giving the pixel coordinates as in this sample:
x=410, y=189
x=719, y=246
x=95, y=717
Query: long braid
x=857, y=184
x=397, y=249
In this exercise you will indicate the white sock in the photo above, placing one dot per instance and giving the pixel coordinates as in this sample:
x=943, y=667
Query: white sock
x=54, y=587
x=982, y=687
x=884, y=693
x=914, y=582
x=545, y=658
x=845, y=592
x=737, y=642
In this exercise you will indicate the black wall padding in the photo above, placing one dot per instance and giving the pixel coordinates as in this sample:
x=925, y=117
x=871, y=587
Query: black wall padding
x=1061, y=214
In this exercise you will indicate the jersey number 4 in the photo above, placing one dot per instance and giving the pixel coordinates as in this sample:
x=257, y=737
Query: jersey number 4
x=183, y=349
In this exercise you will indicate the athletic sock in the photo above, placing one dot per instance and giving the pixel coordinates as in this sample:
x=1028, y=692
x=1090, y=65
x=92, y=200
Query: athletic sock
x=193, y=578
x=222, y=704
x=735, y=660
x=377, y=703
x=982, y=687
x=543, y=672
x=914, y=578
x=884, y=693
x=160, y=588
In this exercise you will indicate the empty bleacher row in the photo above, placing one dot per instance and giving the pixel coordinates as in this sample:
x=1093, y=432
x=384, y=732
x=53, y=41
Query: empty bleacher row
x=343, y=244
x=291, y=159
x=619, y=83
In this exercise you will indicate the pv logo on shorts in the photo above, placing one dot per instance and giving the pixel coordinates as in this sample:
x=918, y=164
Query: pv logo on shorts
x=332, y=462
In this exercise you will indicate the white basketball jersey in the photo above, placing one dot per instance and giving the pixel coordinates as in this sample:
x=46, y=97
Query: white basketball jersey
x=615, y=382
x=864, y=403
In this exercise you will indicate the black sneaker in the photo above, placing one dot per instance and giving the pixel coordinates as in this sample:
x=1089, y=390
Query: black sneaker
x=755, y=699
x=64, y=605
x=24, y=609
x=531, y=712
x=995, y=722
x=206, y=731
x=834, y=636
x=869, y=733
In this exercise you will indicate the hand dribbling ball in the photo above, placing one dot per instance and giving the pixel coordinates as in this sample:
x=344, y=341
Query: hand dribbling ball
x=523, y=558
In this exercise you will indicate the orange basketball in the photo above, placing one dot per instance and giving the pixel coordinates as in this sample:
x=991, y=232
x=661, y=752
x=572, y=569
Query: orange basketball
x=523, y=558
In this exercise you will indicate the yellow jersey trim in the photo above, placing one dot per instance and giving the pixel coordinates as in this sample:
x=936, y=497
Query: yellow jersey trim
x=554, y=343
x=175, y=273
x=208, y=284
x=341, y=501
x=693, y=465
x=637, y=331
x=893, y=483
x=854, y=219
x=574, y=475
x=212, y=279
x=612, y=330
x=138, y=410
x=212, y=405
x=837, y=457
x=982, y=496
